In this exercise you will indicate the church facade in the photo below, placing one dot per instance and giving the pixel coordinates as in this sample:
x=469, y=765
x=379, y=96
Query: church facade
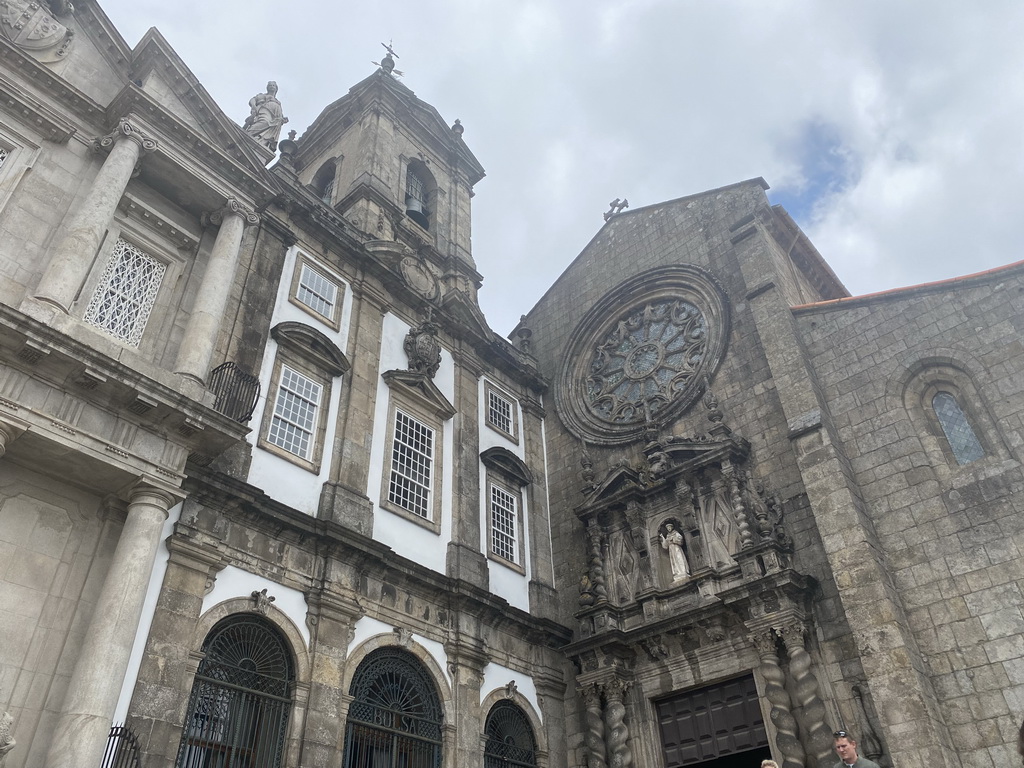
x=273, y=493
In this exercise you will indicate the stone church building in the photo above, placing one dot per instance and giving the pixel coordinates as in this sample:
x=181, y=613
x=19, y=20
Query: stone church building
x=273, y=493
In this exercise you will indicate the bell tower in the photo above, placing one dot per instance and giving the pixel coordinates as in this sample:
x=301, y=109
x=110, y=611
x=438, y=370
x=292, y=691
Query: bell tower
x=397, y=173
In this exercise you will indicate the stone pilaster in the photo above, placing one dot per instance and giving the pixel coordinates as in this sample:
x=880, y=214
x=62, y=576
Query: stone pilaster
x=74, y=254
x=332, y=618
x=204, y=323
x=81, y=732
x=465, y=560
x=543, y=601
x=466, y=661
x=808, y=706
x=168, y=666
x=781, y=713
x=344, y=497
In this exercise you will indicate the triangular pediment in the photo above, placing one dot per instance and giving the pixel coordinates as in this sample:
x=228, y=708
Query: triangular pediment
x=421, y=388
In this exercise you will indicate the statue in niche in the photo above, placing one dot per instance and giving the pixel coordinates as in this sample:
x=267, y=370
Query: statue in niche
x=720, y=533
x=672, y=542
x=265, y=117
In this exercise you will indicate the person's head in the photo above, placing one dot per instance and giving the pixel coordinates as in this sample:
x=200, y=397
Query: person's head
x=669, y=527
x=769, y=764
x=845, y=746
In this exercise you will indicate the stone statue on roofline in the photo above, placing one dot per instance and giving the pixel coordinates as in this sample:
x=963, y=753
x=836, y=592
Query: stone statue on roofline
x=265, y=117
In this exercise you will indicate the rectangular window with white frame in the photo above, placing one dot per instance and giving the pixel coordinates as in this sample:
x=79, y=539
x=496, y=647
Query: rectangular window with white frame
x=412, y=457
x=501, y=412
x=124, y=297
x=316, y=291
x=504, y=524
x=296, y=405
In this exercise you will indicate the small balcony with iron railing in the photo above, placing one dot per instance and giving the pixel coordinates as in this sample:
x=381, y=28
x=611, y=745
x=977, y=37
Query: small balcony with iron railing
x=237, y=392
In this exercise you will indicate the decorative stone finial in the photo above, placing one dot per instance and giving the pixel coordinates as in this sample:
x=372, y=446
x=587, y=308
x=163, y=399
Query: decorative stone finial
x=457, y=128
x=265, y=118
x=615, y=207
x=524, y=333
x=423, y=349
x=388, y=62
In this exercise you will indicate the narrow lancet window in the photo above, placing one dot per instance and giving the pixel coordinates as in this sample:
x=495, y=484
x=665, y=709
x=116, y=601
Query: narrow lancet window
x=963, y=442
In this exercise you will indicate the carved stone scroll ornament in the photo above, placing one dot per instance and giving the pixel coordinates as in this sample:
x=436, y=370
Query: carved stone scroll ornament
x=775, y=691
x=808, y=706
x=7, y=742
x=126, y=128
x=232, y=207
x=617, y=736
x=423, y=349
x=31, y=27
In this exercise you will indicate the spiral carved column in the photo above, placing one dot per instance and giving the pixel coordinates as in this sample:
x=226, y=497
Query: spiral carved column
x=594, y=734
x=619, y=753
x=739, y=508
x=775, y=691
x=596, y=562
x=809, y=708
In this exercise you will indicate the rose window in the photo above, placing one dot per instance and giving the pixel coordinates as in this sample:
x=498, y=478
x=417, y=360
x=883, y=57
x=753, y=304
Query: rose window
x=650, y=355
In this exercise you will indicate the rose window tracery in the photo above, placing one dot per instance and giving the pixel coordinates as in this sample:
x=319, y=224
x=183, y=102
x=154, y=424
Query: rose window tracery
x=640, y=355
x=651, y=355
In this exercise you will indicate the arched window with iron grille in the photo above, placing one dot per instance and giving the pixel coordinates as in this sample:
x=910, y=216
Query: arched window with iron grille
x=510, y=741
x=394, y=720
x=241, y=698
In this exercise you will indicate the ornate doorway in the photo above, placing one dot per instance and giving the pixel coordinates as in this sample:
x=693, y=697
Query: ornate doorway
x=718, y=726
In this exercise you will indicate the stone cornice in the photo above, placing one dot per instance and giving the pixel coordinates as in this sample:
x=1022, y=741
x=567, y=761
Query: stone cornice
x=52, y=85
x=50, y=125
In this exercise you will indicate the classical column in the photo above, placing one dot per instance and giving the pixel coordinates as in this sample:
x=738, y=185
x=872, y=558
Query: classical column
x=809, y=708
x=617, y=735
x=775, y=691
x=597, y=754
x=203, y=327
x=81, y=732
x=71, y=260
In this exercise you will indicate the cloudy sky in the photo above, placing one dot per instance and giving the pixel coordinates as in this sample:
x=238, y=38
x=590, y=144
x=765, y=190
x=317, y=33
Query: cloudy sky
x=893, y=131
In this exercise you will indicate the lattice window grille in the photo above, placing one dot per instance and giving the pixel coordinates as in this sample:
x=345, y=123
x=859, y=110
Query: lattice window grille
x=510, y=740
x=504, y=508
x=412, y=456
x=4, y=154
x=317, y=291
x=126, y=293
x=499, y=412
x=961, y=438
x=295, y=410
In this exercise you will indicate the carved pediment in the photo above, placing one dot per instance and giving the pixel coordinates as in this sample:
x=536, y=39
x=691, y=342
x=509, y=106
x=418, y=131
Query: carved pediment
x=422, y=389
x=312, y=345
x=504, y=461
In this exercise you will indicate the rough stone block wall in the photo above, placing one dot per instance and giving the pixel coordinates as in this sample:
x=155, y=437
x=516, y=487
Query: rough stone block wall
x=953, y=536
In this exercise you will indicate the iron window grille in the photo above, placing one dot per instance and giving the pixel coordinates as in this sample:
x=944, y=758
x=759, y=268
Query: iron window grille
x=295, y=411
x=124, y=298
x=510, y=741
x=395, y=717
x=241, y=698
x=412, y=456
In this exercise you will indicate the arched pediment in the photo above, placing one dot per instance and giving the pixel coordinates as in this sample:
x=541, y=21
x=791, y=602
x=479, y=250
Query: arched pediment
x=504, y=461
x=312, y=345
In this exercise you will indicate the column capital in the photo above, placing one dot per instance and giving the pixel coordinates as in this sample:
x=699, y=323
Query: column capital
x=157, y=492
x=233, y=207
x=127, y=128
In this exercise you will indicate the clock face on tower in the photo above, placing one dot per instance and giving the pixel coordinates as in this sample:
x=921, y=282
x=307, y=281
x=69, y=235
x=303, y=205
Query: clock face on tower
x=641, y=354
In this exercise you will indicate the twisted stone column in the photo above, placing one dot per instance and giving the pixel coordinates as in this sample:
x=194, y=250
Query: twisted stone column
x=81, y=732
x=72, y=258
x=593, y=735
x=809, y=708
x=739, y=508
x=775, y=691
x=617, y=736
x=203, y=327
x=596, y=562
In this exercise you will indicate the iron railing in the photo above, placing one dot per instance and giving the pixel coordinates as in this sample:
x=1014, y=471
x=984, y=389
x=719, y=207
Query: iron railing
x=123, y=750
x=236, y=391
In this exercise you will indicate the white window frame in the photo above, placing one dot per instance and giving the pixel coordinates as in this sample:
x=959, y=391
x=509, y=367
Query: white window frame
x=431, y=512
x=497, y=529
x=295, y=392
x=494, y=393
x=106, y=287
x=303, y=265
